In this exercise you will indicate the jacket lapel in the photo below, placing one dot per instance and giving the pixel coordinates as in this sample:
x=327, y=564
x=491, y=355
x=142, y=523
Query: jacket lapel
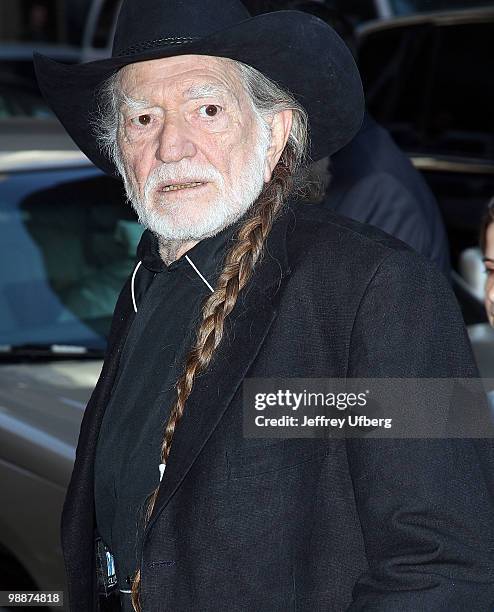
x=213, y=391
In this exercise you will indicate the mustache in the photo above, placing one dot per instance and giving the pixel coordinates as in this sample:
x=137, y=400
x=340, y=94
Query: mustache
x=184, y=170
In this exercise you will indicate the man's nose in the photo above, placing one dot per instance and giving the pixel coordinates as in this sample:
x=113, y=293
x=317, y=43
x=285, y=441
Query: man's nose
x=174, y=141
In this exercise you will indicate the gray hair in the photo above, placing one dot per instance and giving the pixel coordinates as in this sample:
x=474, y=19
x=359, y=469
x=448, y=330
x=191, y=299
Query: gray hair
x=105, y=123
x=266, y=96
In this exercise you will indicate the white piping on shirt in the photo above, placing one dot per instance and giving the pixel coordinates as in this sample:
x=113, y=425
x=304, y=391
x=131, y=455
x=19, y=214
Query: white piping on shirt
x=162, y=466
x=139, y=265
x=200, y=275
x=132, y=285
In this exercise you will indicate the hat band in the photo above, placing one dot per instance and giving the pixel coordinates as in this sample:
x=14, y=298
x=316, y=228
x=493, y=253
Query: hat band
x=158, y=42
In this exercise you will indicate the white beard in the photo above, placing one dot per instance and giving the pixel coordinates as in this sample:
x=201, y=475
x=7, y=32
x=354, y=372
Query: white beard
x=174, y=221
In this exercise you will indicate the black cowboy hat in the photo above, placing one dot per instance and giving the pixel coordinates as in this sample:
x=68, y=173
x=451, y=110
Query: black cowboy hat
x=298, y=51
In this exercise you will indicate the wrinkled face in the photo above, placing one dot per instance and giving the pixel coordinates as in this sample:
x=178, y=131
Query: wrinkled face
x=193, y=148
x=489, y=267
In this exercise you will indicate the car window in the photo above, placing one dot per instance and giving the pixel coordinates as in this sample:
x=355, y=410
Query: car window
x=67, y=244
x=420, y=84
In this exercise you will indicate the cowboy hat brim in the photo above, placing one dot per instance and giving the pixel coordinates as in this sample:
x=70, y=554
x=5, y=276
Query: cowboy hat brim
x=296, y=50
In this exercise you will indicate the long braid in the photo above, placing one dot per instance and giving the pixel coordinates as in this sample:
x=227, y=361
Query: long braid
x=237, y=270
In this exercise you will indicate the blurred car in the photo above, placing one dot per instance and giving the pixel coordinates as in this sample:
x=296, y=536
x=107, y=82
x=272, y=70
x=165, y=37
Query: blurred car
x=19, y=98
x=19, y=92
x=67, y=242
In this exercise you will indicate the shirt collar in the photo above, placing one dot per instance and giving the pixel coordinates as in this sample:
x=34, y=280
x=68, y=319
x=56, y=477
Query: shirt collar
x=207, y=255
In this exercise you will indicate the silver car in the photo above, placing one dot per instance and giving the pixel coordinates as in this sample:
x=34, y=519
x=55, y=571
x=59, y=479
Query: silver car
x=67, y=242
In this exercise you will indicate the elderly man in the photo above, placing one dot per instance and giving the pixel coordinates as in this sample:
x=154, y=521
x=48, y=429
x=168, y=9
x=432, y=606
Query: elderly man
x=203, y=112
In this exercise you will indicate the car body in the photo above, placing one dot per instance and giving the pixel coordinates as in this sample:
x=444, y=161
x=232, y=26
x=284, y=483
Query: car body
x=68, y=241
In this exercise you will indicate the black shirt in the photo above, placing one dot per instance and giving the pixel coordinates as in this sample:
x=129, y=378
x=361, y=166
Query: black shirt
x=128, y=449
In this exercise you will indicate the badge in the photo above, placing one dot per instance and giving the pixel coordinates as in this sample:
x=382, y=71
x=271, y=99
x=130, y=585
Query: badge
x=105, y=568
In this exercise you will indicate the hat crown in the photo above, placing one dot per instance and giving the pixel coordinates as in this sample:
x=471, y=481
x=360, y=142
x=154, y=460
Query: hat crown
x=143, y=24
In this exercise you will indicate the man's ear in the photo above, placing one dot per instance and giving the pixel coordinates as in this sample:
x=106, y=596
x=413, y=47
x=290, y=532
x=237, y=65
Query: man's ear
x=281, y=124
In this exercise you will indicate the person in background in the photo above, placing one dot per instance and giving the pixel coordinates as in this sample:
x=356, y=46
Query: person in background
x=487, y=248
x=374, y=182
x=486, y=243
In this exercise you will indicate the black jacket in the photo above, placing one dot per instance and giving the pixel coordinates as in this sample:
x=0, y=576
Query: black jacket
x=309, y=525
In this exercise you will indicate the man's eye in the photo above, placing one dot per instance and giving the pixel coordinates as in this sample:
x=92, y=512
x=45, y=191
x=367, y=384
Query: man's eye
x=209, y=110
x=142, y=120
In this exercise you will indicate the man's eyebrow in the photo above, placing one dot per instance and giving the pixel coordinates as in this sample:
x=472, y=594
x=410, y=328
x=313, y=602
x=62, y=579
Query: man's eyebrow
x=484, y=259
x=133, y=103
x=205, y=90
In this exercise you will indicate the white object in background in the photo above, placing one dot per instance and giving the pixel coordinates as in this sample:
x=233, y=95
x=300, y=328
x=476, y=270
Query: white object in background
x=472, y=270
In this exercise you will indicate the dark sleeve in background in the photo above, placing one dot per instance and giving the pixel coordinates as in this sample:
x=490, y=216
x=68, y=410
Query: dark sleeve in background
x=374, y=182
x=425, y=506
